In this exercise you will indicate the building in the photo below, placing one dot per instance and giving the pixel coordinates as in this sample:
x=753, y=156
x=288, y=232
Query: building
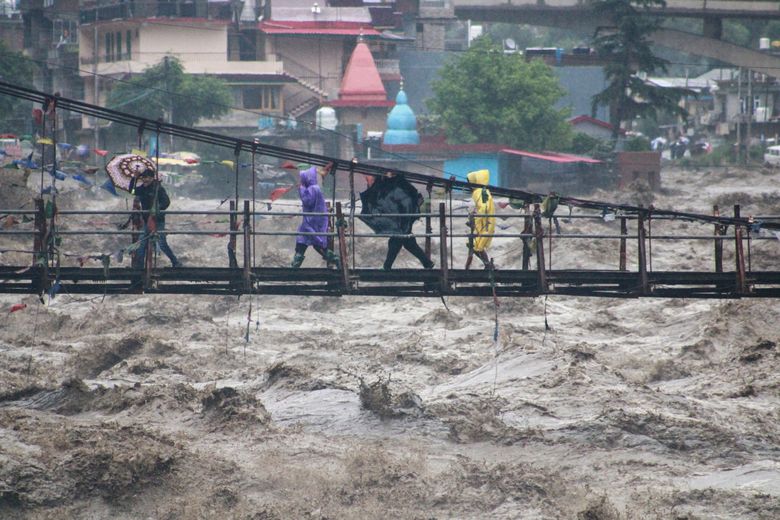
x=362, y=99
x=11, y=25
x=698, y=102
x=745, y=103
x=591, y=126
x=50, y=40
x=281, y=60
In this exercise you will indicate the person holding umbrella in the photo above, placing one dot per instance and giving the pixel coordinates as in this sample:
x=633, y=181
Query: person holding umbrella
x=154, y=201
x=394, y=195
x=313, y=201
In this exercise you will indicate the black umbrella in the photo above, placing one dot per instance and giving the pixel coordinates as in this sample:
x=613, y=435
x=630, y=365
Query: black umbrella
x=390, y=195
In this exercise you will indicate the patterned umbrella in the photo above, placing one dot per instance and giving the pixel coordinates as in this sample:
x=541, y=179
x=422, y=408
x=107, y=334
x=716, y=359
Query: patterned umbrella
x=123, y=169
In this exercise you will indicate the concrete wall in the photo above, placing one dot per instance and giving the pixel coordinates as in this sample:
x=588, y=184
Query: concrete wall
x=599, y=132
x=466, y=163
x=372, y=119
x=311, y=59
x=202, y=50
x=643, y=166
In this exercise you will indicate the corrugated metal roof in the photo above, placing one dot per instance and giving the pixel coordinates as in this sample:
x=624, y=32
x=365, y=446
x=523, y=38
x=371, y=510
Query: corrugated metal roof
x=314, y=28
x=552, y=156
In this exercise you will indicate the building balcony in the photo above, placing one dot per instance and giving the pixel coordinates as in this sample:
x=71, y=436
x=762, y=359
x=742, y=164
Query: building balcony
x=175, y=9
x=134, y=65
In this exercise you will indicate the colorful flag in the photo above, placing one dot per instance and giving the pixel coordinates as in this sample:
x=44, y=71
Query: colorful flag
x=278, y=192
x=17, y=307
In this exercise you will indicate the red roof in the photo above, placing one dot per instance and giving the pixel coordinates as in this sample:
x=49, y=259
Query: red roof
x=438, y=144
x=433, y=147
x=552, y=156
x=591, y=120
x=361, y=85
x=314, y=28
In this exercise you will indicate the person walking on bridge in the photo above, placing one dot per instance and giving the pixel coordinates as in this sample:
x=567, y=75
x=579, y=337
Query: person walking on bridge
x=394, y=196
x=154, y=201
x=482, y=220
x=315, y=226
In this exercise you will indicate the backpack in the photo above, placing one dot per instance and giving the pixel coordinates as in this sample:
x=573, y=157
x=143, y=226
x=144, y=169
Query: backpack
x=163, y=200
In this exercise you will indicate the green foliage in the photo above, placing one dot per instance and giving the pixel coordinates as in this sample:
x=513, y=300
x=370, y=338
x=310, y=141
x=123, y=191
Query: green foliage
x=487, y=96
x=638, y=144
x=584, y=144
x=16, y=69
x=736, y=32
x=166, y=86
x=772, y=30
x=627, y=52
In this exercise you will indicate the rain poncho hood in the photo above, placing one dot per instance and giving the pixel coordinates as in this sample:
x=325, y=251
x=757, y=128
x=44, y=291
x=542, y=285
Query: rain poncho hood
x=483, y=203
x=312, y=201
x=308, y=177
x=390, y=195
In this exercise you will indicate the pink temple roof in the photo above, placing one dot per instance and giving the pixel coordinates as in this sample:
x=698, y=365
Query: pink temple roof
x=361, y=85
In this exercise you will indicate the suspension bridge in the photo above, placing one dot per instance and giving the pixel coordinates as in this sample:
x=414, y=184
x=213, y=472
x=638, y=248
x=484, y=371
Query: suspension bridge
x=729, y=241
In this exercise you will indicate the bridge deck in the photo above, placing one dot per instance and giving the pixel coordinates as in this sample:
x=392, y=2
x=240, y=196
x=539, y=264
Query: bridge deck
x=397, y=282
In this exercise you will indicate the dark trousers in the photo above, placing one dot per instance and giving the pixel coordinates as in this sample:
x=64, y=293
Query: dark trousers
x=162, y=243
x=410, y=244
x=301, y=249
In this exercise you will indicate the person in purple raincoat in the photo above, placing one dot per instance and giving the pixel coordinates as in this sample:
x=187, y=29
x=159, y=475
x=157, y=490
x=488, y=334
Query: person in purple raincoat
x=312, y=201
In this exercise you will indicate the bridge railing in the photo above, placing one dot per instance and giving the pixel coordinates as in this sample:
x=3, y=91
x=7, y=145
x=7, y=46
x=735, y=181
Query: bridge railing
x=58, y=238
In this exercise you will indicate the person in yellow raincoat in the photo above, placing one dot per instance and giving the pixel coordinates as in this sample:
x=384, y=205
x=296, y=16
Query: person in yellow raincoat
x=482, y=227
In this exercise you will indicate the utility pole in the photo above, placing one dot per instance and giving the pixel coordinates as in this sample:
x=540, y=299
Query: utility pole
x=750, y=116
x=739, y=116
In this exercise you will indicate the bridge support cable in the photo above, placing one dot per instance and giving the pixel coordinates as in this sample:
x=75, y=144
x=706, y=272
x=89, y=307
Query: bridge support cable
x=623, y=235
x=342, y=244
x=644, y=287
x=444, y=282
x=278, y=152
x=739, y=255
x=539, y=236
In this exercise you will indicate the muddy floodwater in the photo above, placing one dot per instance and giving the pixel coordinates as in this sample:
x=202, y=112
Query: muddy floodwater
x=190, y=407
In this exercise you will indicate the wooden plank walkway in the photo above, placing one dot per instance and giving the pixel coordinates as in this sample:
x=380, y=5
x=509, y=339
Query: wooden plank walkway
x=397, y=282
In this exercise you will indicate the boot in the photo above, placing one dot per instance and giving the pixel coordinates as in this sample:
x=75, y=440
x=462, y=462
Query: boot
x=297, y=261
x=331, y=258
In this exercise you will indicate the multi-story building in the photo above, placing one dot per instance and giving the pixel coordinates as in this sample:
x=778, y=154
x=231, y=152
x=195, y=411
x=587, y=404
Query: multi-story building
x=281, y=62
x=11, y=26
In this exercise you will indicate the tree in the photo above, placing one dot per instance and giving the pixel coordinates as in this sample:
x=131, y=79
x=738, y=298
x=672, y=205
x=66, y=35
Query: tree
x=165, y=87
x=625, y=47
x=16, y=69
x=487, y=96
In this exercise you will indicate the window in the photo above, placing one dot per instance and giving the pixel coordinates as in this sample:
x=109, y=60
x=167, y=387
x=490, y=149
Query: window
x=107, y=55
x=253, y=97
x=64, y=31
x=271, y=98
x=129, y=45
x=265, y=97
x=119, y=46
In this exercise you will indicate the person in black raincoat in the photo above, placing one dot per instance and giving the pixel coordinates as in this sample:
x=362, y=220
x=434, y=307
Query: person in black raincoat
x=392, y=194
x=154, y=201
